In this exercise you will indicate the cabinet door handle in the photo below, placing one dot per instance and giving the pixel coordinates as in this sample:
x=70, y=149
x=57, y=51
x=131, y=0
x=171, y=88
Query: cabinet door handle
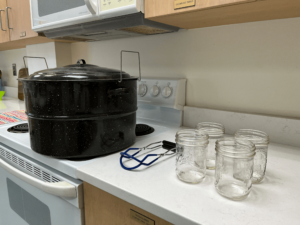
x=1, y=20
x=7, y=20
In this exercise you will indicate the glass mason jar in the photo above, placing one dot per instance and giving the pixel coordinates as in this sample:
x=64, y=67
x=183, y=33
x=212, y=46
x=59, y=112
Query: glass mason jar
x=234, y=167
x=215, y=131
x=261, y=141
x=191, y=148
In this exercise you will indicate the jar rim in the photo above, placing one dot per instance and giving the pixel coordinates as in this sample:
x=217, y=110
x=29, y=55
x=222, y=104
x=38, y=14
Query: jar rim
x=211, y=128
x=235, y=148
x=256, y=136
x=191, y=137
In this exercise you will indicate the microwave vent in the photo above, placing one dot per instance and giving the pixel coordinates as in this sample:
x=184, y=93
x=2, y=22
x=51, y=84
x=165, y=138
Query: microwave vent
x=73, y=39
x=143, y=29
x=113, y=28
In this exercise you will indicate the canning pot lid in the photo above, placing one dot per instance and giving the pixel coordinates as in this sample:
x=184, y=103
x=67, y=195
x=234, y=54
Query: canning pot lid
x=78, y=72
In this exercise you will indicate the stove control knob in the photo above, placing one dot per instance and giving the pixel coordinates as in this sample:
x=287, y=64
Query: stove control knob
x=155, y=90
x=142, y=90
x=167, y=92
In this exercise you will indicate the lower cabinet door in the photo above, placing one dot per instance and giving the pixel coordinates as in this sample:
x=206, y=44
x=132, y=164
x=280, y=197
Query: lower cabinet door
x=102, y=208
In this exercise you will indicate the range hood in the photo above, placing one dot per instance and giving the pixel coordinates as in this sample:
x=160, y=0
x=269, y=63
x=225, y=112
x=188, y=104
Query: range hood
x=113, y=28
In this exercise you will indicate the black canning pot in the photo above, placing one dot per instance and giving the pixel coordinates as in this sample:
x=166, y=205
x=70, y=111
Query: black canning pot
x=80, y=111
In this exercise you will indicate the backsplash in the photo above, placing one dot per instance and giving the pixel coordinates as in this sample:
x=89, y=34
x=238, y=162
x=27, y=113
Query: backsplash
x=281, y=130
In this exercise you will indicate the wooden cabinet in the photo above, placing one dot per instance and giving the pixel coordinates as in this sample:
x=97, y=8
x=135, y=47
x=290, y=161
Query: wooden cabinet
x=102, y=208
x=4, y=31
x=18, y=25
x=19, y=19
x=17, y=33
x=206, y=13
x=156, y=8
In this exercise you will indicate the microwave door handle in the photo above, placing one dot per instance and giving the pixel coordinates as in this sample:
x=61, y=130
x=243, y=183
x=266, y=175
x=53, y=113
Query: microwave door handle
x=91, y=5
x=60, y=189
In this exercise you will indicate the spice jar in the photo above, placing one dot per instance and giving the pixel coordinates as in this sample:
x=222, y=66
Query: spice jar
x=215, y=131
x=191, y=148
x=234, y=167
x=261, y=141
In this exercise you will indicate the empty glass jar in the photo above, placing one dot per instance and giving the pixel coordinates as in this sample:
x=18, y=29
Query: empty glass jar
x=261, y=141
x=191, y=148
x=215, y=131
x=234, y=167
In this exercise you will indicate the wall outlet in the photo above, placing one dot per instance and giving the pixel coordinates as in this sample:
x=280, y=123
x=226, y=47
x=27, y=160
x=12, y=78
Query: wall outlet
x=14, y=66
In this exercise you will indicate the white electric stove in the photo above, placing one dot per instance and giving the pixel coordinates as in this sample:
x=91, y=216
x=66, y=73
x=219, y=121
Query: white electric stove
x=31, y=182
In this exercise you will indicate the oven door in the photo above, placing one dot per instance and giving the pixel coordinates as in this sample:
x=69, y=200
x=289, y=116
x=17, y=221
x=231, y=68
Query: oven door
x=24, y=202
x=49, y=14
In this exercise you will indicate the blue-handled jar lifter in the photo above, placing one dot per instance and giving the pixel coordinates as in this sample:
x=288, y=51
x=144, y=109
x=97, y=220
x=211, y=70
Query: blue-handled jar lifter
x=169, y=146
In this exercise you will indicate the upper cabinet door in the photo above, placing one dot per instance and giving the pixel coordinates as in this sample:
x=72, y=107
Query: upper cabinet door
x=19, y=19
x=191, y=14
x=156, y=8
x=4, y=32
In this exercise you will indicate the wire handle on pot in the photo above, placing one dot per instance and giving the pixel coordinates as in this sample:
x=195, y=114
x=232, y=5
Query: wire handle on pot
x=32, y=57
x=121, y=72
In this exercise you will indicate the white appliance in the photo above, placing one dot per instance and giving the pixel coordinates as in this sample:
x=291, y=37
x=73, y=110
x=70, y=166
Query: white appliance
x=47, y=14
x=32, y=193
x=93, y=19
x=40, y=190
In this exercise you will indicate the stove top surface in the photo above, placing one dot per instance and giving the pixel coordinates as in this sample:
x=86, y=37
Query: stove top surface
x=20, y=142
x=162, y=112
x=20, y=128
x=143, y=129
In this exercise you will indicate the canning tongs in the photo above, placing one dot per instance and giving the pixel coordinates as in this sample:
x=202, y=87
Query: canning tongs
x=169, y=146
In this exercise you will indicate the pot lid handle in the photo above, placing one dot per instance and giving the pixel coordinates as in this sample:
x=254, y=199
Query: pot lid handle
x=121, y=72
x=81, y=60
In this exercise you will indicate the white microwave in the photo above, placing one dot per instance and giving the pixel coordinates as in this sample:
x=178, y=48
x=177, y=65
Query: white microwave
x=51, y=14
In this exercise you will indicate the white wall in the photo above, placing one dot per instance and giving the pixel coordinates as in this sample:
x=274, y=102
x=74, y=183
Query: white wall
x=47, y=51
x=7, y=58
x=56, y=54
x=252, y=67
x=63, y=54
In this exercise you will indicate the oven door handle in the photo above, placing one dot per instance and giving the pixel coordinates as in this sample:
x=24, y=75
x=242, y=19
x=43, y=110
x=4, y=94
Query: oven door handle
x=61, y=189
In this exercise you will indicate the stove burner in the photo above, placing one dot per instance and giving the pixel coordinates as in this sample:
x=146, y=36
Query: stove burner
x=21, y=128
x=143, y=129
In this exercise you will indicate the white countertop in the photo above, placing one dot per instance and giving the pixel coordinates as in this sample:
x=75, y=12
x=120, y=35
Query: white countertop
x=10, y=104
x=157, y=190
